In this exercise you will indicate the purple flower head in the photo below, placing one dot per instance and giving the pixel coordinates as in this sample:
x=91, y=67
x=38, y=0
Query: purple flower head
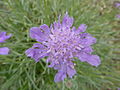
x=117, y=5
x=61, y=43
x=3, y=37
x=118, y=16
x=4, y=51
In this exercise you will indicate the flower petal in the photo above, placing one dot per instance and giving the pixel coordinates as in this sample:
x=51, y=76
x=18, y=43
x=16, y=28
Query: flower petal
x=67, y=21
x=91, y=59
x=37, y=52
x=70, y=71
x=94, y=60
x=40, y=33
x=87, y=39
x=60, y=76
x=45, y=29
x=81, y=28
x=4, y=37
x=87, y=49
x=4, y=51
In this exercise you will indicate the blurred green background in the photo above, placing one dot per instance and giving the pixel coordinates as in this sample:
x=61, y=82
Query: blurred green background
x=17, y=72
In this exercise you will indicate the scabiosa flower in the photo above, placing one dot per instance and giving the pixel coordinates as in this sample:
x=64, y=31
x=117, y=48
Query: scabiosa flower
x=117, y=5
x=61, y=43
x=118, y=16
x=3, y=37
x=118, y=88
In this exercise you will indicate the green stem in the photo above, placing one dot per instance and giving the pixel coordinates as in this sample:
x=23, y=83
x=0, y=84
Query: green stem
x=63, y=86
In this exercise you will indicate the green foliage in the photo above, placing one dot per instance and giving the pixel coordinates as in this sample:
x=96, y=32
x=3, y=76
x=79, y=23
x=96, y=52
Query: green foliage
x=17, y=72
